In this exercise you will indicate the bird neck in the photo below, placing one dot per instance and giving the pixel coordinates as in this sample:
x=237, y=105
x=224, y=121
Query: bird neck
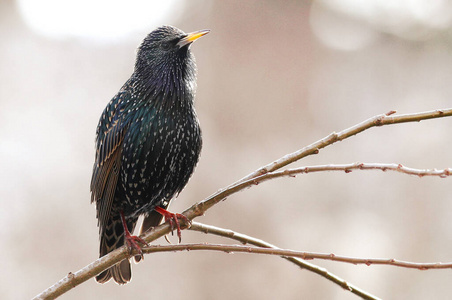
x=172, y=83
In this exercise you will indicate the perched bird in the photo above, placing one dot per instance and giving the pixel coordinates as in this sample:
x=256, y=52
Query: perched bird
x=148, y=143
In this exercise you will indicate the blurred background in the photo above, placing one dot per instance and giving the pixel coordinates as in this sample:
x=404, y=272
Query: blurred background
x=273, y=77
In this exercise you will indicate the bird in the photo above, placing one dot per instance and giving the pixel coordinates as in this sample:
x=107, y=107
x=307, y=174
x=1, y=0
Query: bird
x=148, y=143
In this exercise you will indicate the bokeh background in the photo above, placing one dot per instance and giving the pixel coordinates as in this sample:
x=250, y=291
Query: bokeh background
x=274, y=76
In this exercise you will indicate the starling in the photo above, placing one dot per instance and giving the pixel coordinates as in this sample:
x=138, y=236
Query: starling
x=148, y=142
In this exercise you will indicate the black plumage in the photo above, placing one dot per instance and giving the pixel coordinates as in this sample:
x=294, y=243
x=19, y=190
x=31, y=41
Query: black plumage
x=148, y=141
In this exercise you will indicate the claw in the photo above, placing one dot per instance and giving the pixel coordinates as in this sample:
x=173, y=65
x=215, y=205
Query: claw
x=132, y=241
x=173, y=220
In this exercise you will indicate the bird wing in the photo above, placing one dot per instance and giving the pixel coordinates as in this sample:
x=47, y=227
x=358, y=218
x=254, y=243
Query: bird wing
x=109, y=144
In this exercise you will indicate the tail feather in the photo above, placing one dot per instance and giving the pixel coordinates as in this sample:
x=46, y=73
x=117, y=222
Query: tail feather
x=121, y=273
x=111, y=238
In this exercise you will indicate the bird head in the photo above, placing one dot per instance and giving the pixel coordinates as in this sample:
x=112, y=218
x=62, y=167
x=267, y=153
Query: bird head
x=164, y=49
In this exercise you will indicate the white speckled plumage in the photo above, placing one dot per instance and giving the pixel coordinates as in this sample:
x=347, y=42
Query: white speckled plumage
x=148, y=141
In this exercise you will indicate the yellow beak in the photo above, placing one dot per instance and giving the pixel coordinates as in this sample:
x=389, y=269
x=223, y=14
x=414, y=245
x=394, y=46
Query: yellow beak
x=191, y=37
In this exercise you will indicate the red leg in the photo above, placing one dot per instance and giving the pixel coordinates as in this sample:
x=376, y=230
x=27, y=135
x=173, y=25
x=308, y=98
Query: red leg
x=172, y=219
x=132, y=240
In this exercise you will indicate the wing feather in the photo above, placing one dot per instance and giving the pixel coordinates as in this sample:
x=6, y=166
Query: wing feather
x=109, y=144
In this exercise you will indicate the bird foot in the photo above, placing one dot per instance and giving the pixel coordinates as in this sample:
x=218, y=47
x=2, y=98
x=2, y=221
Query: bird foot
x=173, y=220
x=132, y=241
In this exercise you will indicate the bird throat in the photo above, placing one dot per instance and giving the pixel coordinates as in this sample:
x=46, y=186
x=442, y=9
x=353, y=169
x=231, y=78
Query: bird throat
x=173, y=84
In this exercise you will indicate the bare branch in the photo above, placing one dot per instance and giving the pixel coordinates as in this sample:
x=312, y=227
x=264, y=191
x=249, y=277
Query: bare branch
x=72, y=280
x=300, y=254
x=379, y=120
x=198, y=209
x=347, y=168
x=245, y=239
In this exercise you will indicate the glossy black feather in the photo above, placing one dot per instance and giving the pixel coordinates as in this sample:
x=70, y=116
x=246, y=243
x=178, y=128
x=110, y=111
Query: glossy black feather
x=148, y=142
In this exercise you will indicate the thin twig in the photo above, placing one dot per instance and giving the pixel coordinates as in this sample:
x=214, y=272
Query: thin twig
x=300, y=254
x=347, y=168
x=376, y=121
x=245, y=239
x=200, y=208
x=379, y=120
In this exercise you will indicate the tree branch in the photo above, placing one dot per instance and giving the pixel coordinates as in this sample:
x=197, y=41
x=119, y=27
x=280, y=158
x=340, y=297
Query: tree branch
x=347, y=168
x=245, y=239
x=376, y=121
x=379, y=120
x=198, y=209
x=299, y=254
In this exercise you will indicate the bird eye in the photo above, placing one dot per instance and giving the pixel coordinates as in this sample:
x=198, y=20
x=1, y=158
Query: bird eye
x=166, y=46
